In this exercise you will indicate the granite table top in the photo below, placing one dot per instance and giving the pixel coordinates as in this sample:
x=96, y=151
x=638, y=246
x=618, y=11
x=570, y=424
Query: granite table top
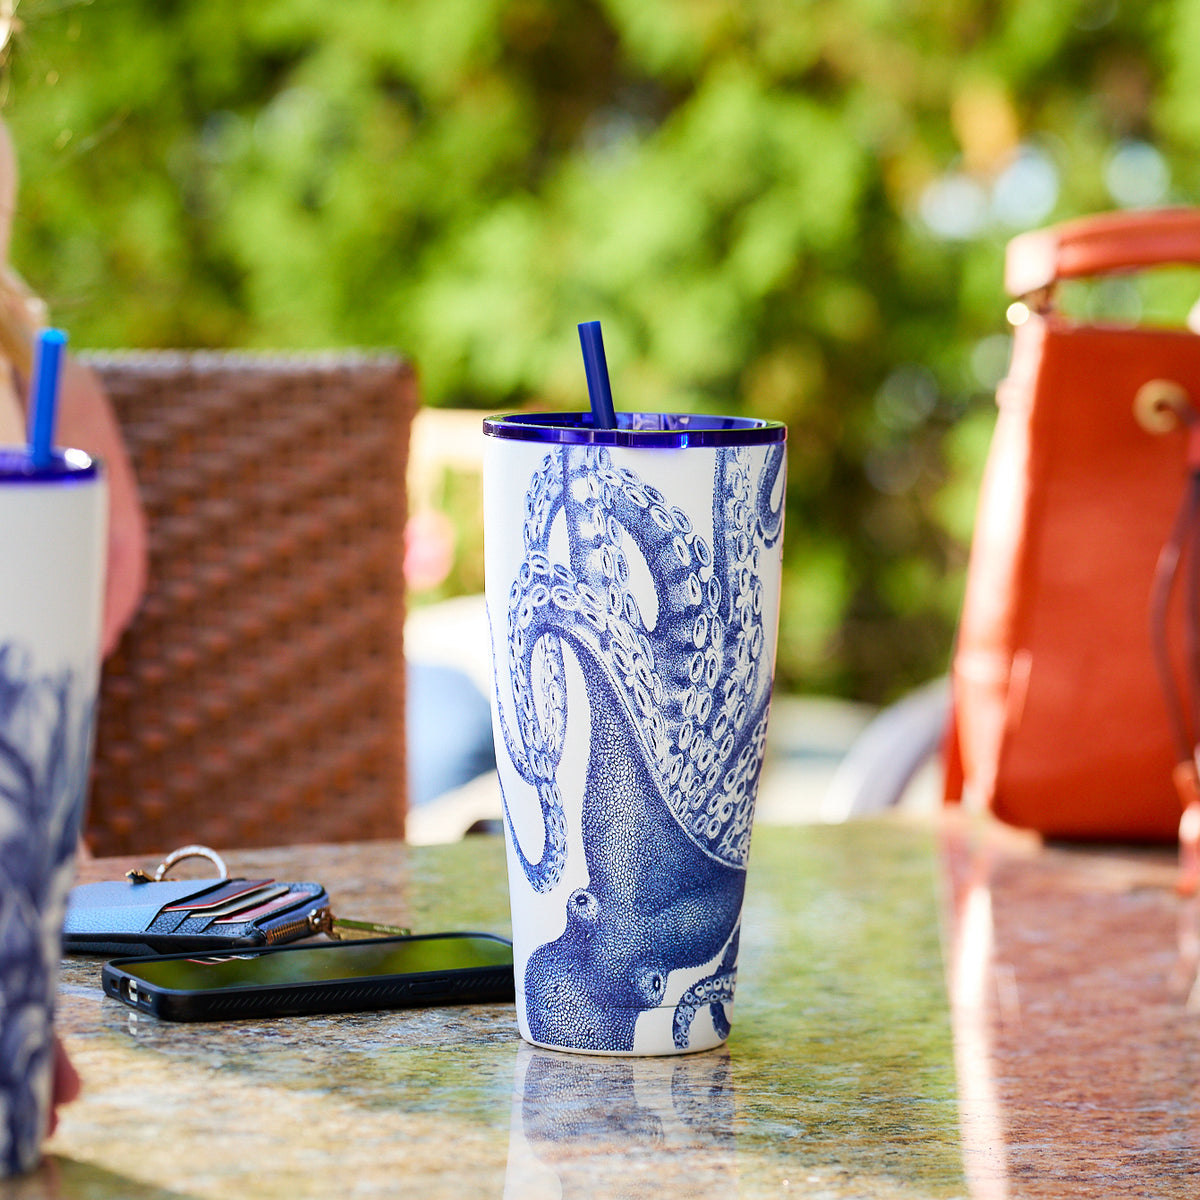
x=925, y=1009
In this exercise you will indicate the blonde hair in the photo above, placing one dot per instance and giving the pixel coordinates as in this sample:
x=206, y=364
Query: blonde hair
x=22, y=314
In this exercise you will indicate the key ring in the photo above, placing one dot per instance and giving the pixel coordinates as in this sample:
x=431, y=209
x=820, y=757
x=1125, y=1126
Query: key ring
x=178, y=856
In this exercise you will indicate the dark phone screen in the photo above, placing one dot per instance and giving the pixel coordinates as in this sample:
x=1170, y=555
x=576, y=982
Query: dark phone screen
x=336, y=961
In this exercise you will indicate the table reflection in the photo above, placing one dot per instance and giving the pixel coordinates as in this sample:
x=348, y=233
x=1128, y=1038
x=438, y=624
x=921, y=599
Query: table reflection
x=576, y=1119
x=1077, y=1056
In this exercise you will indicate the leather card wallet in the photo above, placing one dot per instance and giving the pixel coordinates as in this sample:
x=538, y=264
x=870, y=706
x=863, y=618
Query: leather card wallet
x=122, y=917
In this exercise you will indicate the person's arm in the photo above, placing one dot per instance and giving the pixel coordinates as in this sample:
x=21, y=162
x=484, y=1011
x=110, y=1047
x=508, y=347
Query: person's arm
x=86, y=421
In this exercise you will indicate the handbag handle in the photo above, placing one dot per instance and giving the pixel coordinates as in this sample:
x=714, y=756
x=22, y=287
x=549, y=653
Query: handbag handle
x=1101, y=244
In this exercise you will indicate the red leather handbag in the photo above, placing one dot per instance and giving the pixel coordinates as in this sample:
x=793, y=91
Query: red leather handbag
x=1074, y=711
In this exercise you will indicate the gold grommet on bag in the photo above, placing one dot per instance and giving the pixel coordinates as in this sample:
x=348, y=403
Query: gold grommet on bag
x=1161, y=405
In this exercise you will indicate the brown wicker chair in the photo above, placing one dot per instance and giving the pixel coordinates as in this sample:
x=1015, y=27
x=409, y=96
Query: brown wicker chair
x=258, y=696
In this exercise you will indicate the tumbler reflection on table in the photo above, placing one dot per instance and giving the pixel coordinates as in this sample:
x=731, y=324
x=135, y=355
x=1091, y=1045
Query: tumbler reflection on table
x=640, y=1125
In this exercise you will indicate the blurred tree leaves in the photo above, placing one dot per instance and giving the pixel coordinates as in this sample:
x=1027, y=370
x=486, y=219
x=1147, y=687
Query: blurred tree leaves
x=795, y=208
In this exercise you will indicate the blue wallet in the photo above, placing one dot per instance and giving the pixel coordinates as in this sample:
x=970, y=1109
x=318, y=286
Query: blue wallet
x=138, y=917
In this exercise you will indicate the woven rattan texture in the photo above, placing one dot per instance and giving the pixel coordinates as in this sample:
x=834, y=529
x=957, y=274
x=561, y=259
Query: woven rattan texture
x=258, y=696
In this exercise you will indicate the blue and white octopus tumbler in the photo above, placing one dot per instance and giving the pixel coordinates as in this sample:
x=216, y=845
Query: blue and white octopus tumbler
x=53, y=520
x=632, y=579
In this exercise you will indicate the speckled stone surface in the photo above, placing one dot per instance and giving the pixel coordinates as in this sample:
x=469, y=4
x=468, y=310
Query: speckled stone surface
x=1061, y=1061
x=1078, y=1050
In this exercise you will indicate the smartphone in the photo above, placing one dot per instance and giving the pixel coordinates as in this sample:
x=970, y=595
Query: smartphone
x=354, y=976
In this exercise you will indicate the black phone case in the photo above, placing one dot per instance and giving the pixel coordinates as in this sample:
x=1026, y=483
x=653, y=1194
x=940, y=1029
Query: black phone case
x=468, y=985
x=122, y=917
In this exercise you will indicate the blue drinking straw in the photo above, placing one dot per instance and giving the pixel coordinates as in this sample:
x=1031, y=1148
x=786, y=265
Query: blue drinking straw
x=596, y=366
x=44, y=390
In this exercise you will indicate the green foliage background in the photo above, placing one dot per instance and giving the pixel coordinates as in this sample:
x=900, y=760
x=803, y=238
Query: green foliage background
x=739, y=190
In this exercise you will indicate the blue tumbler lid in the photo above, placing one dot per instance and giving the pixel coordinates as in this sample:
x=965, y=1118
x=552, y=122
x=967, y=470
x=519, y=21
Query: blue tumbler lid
x=643, y=430
x=64, y=466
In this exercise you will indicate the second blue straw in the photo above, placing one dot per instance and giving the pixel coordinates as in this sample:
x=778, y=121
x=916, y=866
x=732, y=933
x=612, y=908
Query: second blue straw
x=44, y=388
x=596, y=366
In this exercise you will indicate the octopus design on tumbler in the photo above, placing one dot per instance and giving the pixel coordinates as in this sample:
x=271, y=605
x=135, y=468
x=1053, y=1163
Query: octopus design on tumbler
x=45, y=742
x=678, y=681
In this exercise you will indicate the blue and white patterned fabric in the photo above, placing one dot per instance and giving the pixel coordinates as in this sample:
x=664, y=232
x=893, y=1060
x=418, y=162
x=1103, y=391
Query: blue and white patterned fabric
x=45, y=740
